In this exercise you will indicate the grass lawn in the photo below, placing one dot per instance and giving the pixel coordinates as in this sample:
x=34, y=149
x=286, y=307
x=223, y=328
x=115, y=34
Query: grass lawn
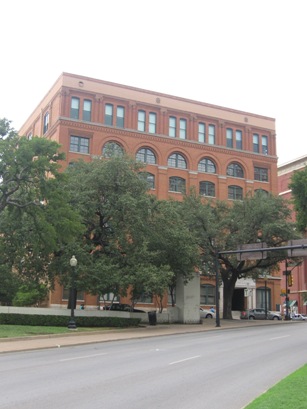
x=13, y=331
x=289, y=393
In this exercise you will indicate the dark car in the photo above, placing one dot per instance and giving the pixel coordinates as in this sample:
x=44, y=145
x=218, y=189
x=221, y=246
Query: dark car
x=259, y=314
x=121, y=307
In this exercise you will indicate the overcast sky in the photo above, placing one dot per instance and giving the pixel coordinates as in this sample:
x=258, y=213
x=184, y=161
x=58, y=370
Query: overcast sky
x=248, y=55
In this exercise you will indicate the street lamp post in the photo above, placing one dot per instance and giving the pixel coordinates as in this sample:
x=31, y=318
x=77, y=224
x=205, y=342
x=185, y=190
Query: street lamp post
x=265, y=277
x=72, y=323
x=217, y=292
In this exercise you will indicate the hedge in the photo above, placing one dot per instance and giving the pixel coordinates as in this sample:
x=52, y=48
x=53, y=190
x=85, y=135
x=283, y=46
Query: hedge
x=60, y=321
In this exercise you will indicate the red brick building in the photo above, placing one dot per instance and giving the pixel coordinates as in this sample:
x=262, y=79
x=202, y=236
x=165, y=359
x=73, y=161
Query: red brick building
x=224, y=153
x=299, y=273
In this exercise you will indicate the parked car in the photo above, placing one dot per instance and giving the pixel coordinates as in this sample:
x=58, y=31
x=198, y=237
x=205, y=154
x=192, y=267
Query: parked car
x=206, y=313
x=259, y=314
x=120, y=307
x=298, y=317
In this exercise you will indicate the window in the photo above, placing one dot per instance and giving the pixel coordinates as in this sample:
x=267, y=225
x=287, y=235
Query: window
x=146, y=155
x=211, y=134
x=206, y=165
x=145, y=298
x=172, y=126
x=79, y=144
x=261, y=174
x=176, y=184
x=235, y=193
x=263, y=298
x=66, y=293
x=108, y=114
x=264, y=146
x=262, y=192
x=112, y=149
x=120, y=117
x=239, y=139
x=207, y=294
x=150, y=179
x=152, y=122
x=46, y=122
x=183, y=129
x=229, y=138
x=87, y=110
x=141, y=121
x=235, y=170
x=177, y=161
x=111, y=297
x=74, y=108
x=255, y=143
x=30, y=136
x=201, y=132
x=207, y=189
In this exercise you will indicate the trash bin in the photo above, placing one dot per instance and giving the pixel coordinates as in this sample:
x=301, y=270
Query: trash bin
x=152, y=317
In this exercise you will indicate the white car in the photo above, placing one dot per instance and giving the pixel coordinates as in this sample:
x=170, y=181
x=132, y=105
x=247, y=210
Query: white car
x=206, y=313
x=299, y=317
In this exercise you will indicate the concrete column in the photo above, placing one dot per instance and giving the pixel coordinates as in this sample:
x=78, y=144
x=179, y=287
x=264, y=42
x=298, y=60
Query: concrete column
x=188, y=300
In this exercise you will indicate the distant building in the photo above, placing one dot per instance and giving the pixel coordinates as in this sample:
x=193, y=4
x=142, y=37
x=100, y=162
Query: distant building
x=299, y=273
x=223, y=153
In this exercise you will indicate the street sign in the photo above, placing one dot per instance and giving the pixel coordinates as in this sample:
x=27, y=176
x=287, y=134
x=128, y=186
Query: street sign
x=249, y=251
x=300, y=250
x=247, y=292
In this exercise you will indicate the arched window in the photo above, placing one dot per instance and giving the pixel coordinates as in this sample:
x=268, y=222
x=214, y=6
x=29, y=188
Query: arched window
x=112, y=149
x=146, y=155
x=207, y=294
x=177, y=184
x=236, y=170
x=206, y=165
x=235, y=193
x=207, y=188
x=176, y=160
x=261, y=192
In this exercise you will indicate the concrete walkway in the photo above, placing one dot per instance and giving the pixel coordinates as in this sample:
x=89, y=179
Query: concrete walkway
x=79, y=338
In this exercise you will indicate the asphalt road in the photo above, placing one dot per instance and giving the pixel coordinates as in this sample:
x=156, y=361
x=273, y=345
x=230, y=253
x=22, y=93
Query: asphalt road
x=208, y=370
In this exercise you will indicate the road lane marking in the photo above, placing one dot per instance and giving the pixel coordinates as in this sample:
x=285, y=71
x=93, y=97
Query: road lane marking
x=81, y=357
x=284, y=336
x=184, y=360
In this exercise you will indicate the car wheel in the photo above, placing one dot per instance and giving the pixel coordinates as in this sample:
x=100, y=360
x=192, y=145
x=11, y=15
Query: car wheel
x=209, y=316
x=275, y=318
x=251, y=317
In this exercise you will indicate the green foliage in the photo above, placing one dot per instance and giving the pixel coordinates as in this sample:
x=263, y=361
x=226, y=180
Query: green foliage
x=62, y=321
x=9, y=285
x=298, y=186
x=289, y=393
x=220, y=227
x=36, y=219
x=127, y=240
x=30, y=294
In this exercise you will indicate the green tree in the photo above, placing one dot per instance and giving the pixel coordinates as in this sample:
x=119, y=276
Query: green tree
x=131, y=241
x=114, y=205
x=172, y=243
x=298, y=186
x=220, y=227
x=36, y=219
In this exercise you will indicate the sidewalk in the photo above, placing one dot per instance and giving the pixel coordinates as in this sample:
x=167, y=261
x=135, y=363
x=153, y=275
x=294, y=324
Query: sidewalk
x=79, y=338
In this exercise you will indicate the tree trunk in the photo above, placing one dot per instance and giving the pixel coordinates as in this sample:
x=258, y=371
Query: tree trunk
x=229, y=285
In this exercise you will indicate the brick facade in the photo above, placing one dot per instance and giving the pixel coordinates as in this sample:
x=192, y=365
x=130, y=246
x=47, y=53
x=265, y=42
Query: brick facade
x=226, y=152
x=299, y=273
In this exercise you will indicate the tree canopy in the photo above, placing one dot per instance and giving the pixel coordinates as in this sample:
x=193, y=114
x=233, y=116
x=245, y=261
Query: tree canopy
x=220, y=227
x=36, y=219
x=298, y=186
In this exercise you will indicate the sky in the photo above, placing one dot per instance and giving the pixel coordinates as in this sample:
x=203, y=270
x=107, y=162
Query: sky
x=248, y=55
